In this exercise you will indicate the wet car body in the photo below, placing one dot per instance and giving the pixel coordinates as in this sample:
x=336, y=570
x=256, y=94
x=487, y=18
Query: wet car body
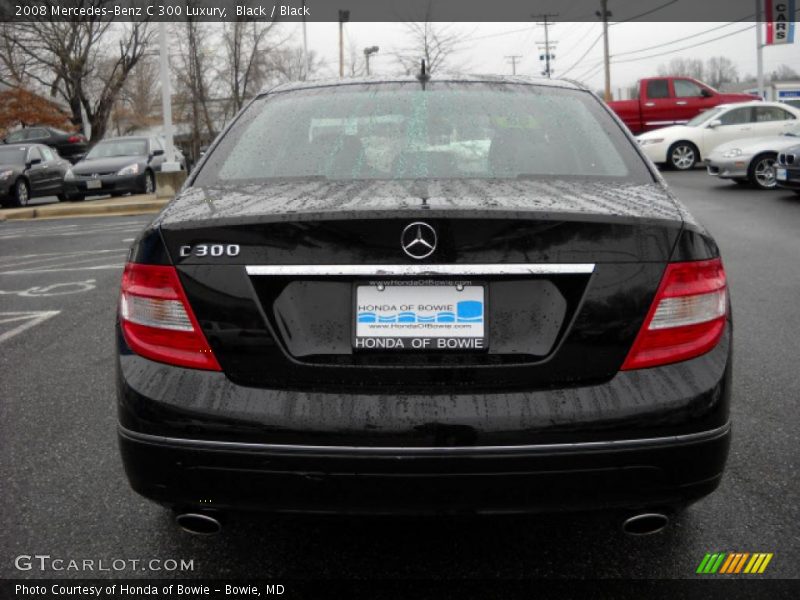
x=297, y=417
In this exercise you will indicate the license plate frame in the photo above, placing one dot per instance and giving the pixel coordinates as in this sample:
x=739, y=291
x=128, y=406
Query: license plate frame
x=445, y=333
x=94, y=184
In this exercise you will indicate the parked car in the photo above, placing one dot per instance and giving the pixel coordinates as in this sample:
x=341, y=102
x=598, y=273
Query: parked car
x=117, y=166
x=71, y=146
x=751, y=161
x=345, y=311
x=29, y=171
x=787, y=169
x=682, y=146
x=664, y=101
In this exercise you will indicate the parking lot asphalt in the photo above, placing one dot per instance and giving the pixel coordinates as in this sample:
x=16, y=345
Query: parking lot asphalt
x=63, y=492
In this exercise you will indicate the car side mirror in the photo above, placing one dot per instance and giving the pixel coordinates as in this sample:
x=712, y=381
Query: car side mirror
x=705, y=93
x=158, y=152
x=715, y=123
x=34, y=161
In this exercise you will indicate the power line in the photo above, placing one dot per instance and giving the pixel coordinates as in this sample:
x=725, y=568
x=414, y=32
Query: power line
x=589, y=49
x=627, y=60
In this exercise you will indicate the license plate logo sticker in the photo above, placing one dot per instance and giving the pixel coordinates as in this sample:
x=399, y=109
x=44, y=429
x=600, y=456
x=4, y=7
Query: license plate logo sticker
x=420, y=311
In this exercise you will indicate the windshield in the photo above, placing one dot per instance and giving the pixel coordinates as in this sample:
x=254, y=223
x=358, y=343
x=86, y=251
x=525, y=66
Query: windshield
x=12, y=156
x=119, y=148
x=400, y=131
x=703, y=117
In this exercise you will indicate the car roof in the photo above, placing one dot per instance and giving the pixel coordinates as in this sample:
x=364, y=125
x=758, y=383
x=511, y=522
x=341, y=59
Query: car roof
x=448, y=77
x=750, y=103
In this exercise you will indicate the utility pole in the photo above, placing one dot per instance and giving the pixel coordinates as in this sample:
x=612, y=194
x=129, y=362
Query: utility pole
x=547, y=56
x=305, y=44
x=604, y=13
x=759, y=50
x=344, y=16
x=513, y=60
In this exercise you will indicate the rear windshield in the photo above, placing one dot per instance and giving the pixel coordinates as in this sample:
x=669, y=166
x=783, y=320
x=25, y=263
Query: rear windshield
x=400, y=131
x=12, y=156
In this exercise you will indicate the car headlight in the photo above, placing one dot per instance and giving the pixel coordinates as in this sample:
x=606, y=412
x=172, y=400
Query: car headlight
x=732, y=153
x=6, y=174
x=650, y=141
x=129, y=170
x=69, y=174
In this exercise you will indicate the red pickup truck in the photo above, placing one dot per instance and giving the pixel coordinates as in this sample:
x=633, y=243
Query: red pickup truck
x=665, y=101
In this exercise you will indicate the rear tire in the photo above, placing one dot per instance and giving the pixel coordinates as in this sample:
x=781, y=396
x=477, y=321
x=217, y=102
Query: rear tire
x=683, y=156
x=761, y=172
x=62, y=197
x=22, y=193
x=77, y=198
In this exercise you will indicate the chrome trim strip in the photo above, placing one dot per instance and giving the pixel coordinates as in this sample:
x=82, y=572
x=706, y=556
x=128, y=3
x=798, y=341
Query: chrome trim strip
x=426, y=269
x=432, y=450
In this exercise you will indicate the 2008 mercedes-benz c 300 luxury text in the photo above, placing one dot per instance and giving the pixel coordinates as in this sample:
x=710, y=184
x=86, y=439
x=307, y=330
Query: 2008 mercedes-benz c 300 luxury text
x=422, y=295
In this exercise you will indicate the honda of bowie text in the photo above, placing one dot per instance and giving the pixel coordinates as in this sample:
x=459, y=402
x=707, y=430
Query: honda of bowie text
x=442, y=294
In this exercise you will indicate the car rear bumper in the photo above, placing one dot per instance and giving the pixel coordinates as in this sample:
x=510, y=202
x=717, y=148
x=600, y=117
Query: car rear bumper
x=657, y=472
x=646, y=438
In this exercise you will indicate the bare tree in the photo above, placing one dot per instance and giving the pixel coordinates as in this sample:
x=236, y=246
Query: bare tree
x=286, y=64
x=247, y=45
x=84, y=62
x=194, y=71
x=784, y=73
x=139, y=103
x=433, y=42
x=720, y=70
x=683, y=67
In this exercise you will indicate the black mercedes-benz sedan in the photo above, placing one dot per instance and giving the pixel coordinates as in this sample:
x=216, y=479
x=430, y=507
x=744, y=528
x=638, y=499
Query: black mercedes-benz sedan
x=424, y=295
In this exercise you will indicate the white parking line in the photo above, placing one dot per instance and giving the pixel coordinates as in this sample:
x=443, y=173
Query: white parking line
x=51, y=256
x=62, y=270
x=28, y=319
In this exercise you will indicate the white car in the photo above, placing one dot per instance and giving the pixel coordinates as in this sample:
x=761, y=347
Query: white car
x=753, y=160
x=682, y=146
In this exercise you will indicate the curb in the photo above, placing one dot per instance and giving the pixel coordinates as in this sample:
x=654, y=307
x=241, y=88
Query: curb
x=86, y=209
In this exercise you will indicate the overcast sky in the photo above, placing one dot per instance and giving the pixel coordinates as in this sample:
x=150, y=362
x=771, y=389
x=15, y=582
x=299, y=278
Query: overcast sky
x=487, y=44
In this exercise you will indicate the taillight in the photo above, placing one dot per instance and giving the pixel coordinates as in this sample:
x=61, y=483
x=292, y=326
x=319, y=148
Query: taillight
x=74, y=139
x=158, y=322
x=687, y=317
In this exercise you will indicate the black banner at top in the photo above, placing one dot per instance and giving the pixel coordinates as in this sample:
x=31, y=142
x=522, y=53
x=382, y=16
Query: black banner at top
x=380, y=10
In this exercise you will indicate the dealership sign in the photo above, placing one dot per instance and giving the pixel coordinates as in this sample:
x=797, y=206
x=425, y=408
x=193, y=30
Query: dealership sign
x=780, y=21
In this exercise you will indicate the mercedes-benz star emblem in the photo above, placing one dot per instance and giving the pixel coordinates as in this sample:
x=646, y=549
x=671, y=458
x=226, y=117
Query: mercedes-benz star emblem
x=418, y=240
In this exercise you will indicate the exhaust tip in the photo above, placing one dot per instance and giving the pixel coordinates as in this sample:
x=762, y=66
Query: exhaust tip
x=198, y=523
x=645, y=523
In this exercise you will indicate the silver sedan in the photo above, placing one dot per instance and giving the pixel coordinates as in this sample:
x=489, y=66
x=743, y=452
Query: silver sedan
x=751, y=161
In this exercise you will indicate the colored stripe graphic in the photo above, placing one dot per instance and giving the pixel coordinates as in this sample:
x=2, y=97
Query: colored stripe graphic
x=727, y=563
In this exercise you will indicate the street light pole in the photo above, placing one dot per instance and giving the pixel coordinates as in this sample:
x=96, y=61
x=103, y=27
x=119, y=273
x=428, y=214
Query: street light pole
x=344, y=16
x=166, y=100
x=367, y=53
x=759, y=51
